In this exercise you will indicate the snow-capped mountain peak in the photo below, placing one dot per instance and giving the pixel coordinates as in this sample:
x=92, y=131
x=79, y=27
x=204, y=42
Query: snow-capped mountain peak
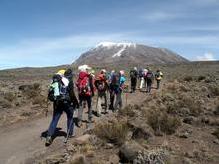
x=112, y=44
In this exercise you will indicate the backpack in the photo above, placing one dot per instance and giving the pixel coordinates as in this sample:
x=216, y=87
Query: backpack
x=132, y=74
x=115, y=80
x=83, y=85
x=58, y=90
x=100, y=83
x=149, y=75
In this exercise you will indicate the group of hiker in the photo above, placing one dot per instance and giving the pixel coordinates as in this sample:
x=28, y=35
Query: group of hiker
x=104, y=84
x=145, y=78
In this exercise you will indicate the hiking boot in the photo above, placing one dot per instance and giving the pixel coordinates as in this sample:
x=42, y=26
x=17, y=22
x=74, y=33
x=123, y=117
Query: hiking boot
x=48, y=140
x=98, y=115
x=78, y=124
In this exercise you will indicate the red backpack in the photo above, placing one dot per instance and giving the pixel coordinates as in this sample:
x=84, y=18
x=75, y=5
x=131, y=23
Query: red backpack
x=83, y=84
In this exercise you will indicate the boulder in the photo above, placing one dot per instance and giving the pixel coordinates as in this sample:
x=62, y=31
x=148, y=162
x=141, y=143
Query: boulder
x=82, y=140
x=141, y=130
x=129, y=151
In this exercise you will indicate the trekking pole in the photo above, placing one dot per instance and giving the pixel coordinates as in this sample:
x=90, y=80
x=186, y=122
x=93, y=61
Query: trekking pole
x=68, y=131
x=126, y=99
x=97, y=102
x=47, y=107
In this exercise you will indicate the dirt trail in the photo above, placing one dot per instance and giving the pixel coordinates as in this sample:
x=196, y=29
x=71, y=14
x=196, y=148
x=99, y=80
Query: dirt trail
x=22, y=141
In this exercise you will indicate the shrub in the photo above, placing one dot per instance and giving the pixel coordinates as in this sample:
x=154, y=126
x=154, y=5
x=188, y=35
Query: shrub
x=31, y=90
x=127, y=111
x=161, y=121
x=216, y=133
x=10, y=96
x=5, y=103
x=201, y=77
x=115, y=132
x=214, y=90
x=188, y=78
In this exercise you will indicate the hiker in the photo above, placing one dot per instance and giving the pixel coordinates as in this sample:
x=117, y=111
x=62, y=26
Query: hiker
x=118, y=90
x=158, y=77
x=149, y=80
x=112, y=83
x=85, y=93
x=102, y=87
x=145, y=71
x=63, y=96
x=140, y=78
x=133, y=76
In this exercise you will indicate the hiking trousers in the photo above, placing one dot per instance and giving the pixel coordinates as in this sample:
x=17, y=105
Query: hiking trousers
x=112, y=98
x=158, y=84
x=58, y=109
x=149, y=85
x=88, y=99
x=101, y=101
x=118, y=100
x=133, y=84
x=142, y=82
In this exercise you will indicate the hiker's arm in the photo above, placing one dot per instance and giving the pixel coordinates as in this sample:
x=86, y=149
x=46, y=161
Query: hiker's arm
x=73, y=97
x=91, y=85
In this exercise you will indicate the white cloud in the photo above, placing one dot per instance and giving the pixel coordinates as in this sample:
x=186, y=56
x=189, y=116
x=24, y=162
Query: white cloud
x=206, y=57
x=159, y=16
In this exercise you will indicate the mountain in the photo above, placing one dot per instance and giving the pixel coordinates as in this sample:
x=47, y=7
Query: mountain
x=127, y=54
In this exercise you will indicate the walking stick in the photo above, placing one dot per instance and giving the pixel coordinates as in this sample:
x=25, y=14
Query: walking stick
x=68, y=131
x=126, y=99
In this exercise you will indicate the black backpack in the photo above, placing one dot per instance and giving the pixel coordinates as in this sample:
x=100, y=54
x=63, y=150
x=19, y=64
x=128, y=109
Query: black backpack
x=63, y=90
x=115, y=80
x=132, y=74
x=150, y=75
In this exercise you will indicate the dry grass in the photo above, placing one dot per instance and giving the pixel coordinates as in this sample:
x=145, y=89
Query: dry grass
x=162, y=122
x=127, y=111
x=216, y=133
x=115, y=132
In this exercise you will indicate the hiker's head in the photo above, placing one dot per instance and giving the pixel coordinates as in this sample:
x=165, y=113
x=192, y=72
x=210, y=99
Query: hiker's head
x=103, y=71
x=68, y=73
x=122, y=72
x=61, y=72
x=158, y=70
x=135, y=68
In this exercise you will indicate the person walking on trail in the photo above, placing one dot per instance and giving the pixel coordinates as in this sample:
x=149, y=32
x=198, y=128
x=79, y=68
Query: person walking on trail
x=140, y=78
x=62, y=94
x=119, y=89
x=133, y=76
x=149, y=79
x=145, y=71
x=102, y=87
x=112, y=81
x=85, y=93
x=158, y=77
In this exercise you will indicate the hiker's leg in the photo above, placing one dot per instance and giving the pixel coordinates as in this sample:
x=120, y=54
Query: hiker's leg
x=142, y=83
x=105, y=101
x=80, y=110
x=112, y=97
x=99, y=105
x=158, y=84
x=117, y=101
x=57, y=112
x=70, y=123
x=120, y=99
x=89, y=101
x=135, y=83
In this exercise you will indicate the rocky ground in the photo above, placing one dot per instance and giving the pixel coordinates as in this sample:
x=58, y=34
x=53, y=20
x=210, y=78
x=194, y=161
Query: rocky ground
x=177, y=124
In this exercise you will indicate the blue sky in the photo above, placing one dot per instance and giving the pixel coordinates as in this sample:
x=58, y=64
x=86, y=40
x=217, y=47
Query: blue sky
x=55, y=32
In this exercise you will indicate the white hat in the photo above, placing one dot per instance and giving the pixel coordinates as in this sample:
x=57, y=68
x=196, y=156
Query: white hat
x=84, y=67
x=122, y=72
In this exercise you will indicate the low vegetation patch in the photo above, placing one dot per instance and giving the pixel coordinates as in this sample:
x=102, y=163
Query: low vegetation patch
x=162, y=122
x=216, y=133
x=115, y=132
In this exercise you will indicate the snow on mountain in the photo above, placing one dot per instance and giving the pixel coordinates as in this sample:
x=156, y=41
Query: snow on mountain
x=121, y=54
